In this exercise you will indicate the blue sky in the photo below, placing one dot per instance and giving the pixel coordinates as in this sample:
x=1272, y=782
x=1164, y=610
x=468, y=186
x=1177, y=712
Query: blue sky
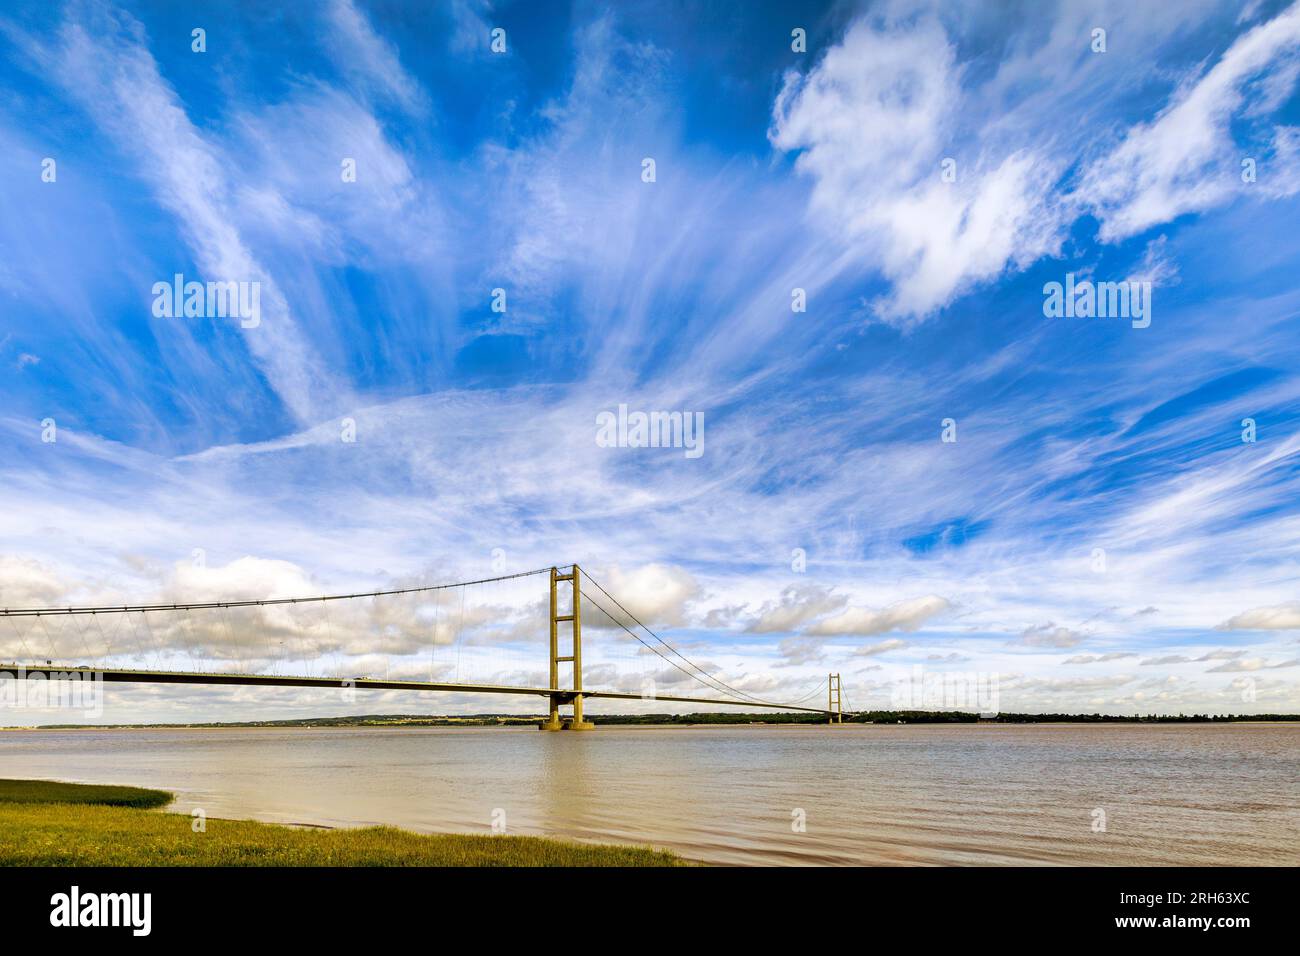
x=1099, y=535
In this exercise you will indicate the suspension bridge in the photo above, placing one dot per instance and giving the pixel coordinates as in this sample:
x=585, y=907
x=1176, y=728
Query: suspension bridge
x=262, y=646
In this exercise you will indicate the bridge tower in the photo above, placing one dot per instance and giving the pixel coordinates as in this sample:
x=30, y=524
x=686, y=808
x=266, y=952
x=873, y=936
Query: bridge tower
x=559, y=696
x=835, y=698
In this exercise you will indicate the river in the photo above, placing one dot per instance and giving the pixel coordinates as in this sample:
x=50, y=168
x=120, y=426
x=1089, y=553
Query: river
x=1119, y=794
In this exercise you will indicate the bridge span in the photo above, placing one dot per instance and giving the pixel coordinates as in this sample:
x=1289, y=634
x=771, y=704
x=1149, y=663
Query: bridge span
x=556, y=695
x=128, y=676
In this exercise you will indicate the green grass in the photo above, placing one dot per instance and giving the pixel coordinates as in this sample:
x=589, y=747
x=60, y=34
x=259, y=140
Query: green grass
x=51, y=791
x=52, y=824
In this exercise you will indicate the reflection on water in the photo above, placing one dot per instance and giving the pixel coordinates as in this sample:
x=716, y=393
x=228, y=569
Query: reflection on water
x=965, y=794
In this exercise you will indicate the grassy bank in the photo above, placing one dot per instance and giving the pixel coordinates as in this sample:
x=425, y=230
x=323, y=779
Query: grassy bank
x=57, y=824
x=51, y=791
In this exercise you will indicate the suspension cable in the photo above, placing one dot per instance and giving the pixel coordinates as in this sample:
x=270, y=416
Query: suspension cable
x=718, y=680
x=265, y=602
x=723, y=690
x=812, y=693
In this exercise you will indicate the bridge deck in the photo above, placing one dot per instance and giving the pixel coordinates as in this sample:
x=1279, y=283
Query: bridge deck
x=117, y=675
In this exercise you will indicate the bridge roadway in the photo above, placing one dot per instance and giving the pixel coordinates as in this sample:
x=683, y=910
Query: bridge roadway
x=117, y=675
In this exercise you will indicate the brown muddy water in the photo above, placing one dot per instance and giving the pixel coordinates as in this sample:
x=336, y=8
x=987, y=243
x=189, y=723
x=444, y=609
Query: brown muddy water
x=1190, y=794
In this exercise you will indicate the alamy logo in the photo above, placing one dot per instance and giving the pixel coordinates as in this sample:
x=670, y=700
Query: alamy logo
x=651, y=430
x=213, y=300
x=1103, y=300
x=75, y=688
x=103, y=909
x=947, y=690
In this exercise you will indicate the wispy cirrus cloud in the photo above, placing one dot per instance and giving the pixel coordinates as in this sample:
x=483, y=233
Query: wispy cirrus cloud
x=371, y=60
x=1187, y=159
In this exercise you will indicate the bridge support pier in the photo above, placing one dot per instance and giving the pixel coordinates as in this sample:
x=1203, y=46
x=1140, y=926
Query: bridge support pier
x=835, y=699
x=552, y=722
x=574, y=696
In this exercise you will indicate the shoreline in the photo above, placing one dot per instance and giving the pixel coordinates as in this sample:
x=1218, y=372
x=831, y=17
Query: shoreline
x=57, y=823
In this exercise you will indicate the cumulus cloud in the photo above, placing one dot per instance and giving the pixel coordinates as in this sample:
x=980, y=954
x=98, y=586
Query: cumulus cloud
x=656, y=594
x=1275, y=617
x=801, y=650
x=797, y=605
x=25, y=582
x=720, y=617
x=864, y=621
x=311, y=634
x=1049, y=635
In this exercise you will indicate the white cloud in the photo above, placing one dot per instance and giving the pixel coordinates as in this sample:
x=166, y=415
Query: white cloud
x=1219, y=655
x=801, y=650
x=471, y=28
x=721, y=617
x=1186, y=160
x=1276, y=617
x=311, y=635
x=875, y=117
x=798, y=605
x=25, y=582
x=873, y=120
x=1249, y=664
x=864, y=621
x=656, y=594
x=1158, y=265
x=369, y=58
x=1050, y=635
x=1098, y=658
x=103, y=63
x=871, y=650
